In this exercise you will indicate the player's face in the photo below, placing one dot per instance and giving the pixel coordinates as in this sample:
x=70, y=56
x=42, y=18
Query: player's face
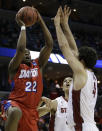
x=67, y=83
x=27, y=56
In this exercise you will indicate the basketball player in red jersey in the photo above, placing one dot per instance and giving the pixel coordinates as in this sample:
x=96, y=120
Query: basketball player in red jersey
x=83, y=97
x=25, y=77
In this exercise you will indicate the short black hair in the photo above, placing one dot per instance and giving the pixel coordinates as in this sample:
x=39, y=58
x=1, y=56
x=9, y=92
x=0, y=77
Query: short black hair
x=88, y=55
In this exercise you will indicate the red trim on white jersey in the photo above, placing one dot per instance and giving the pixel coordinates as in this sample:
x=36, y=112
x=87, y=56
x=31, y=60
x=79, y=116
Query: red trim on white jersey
x=76, y=110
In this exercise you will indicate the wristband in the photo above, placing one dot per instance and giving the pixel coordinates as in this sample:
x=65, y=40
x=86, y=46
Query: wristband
x=23, y=27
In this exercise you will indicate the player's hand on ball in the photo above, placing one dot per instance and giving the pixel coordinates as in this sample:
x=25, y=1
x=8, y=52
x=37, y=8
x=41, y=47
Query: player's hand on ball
x=39, y=16
x=19, y=21
x=26, y=15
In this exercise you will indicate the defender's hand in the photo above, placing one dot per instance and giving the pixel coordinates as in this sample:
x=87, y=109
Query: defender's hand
x=57, y=17
x=65, y=14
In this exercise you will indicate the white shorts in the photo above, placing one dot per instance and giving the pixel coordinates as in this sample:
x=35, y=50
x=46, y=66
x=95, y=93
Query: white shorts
x=89, y=127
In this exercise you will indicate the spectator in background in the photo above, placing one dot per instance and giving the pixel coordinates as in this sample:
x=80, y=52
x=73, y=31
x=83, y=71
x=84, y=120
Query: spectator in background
x=42, y=125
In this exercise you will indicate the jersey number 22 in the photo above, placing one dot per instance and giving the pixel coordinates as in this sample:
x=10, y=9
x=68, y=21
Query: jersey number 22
x=31, y=86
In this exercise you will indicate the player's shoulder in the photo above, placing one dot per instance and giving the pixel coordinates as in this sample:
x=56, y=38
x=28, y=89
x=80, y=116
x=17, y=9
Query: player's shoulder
x=58, y=99
x=90, y=73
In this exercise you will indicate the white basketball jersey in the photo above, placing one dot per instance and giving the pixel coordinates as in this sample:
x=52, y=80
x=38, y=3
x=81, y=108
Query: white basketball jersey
x=87, y=101
x=70, y=119
x=88, y=98
x=60, y=115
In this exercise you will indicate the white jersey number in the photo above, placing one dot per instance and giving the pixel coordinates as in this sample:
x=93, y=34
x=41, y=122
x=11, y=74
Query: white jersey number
x=63, y=110
x=31, y=86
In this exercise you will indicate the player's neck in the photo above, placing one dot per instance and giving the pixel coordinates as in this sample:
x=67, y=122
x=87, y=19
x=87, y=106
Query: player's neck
x=27, y=63
x=66, y=95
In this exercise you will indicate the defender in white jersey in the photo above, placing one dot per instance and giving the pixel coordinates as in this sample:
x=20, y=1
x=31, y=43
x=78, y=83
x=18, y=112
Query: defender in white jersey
x=83, y=95
x=60, y=123
x=81, y=105
x=58, y=109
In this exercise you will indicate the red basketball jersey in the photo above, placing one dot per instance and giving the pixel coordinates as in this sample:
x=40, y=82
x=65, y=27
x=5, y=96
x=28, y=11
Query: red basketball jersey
x=27, y=85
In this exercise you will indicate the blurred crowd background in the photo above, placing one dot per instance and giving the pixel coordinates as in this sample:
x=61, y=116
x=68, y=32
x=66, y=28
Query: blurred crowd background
x=86, y=27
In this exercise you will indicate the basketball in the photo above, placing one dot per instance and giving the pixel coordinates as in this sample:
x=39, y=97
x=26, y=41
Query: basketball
x=28, y=15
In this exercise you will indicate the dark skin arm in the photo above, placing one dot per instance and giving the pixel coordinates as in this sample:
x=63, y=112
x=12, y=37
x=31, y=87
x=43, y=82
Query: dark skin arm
x=21, y=45
x=17, y=59
x=46, y=50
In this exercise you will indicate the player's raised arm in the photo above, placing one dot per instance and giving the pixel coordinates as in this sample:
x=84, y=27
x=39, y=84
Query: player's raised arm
x=46, y=50
x=65, y=14
x=20, y=50
x=74, y=63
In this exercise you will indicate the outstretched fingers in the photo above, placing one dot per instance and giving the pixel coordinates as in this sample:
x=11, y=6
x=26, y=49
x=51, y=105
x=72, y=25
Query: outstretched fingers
x=57, y=17
x=67, y=10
